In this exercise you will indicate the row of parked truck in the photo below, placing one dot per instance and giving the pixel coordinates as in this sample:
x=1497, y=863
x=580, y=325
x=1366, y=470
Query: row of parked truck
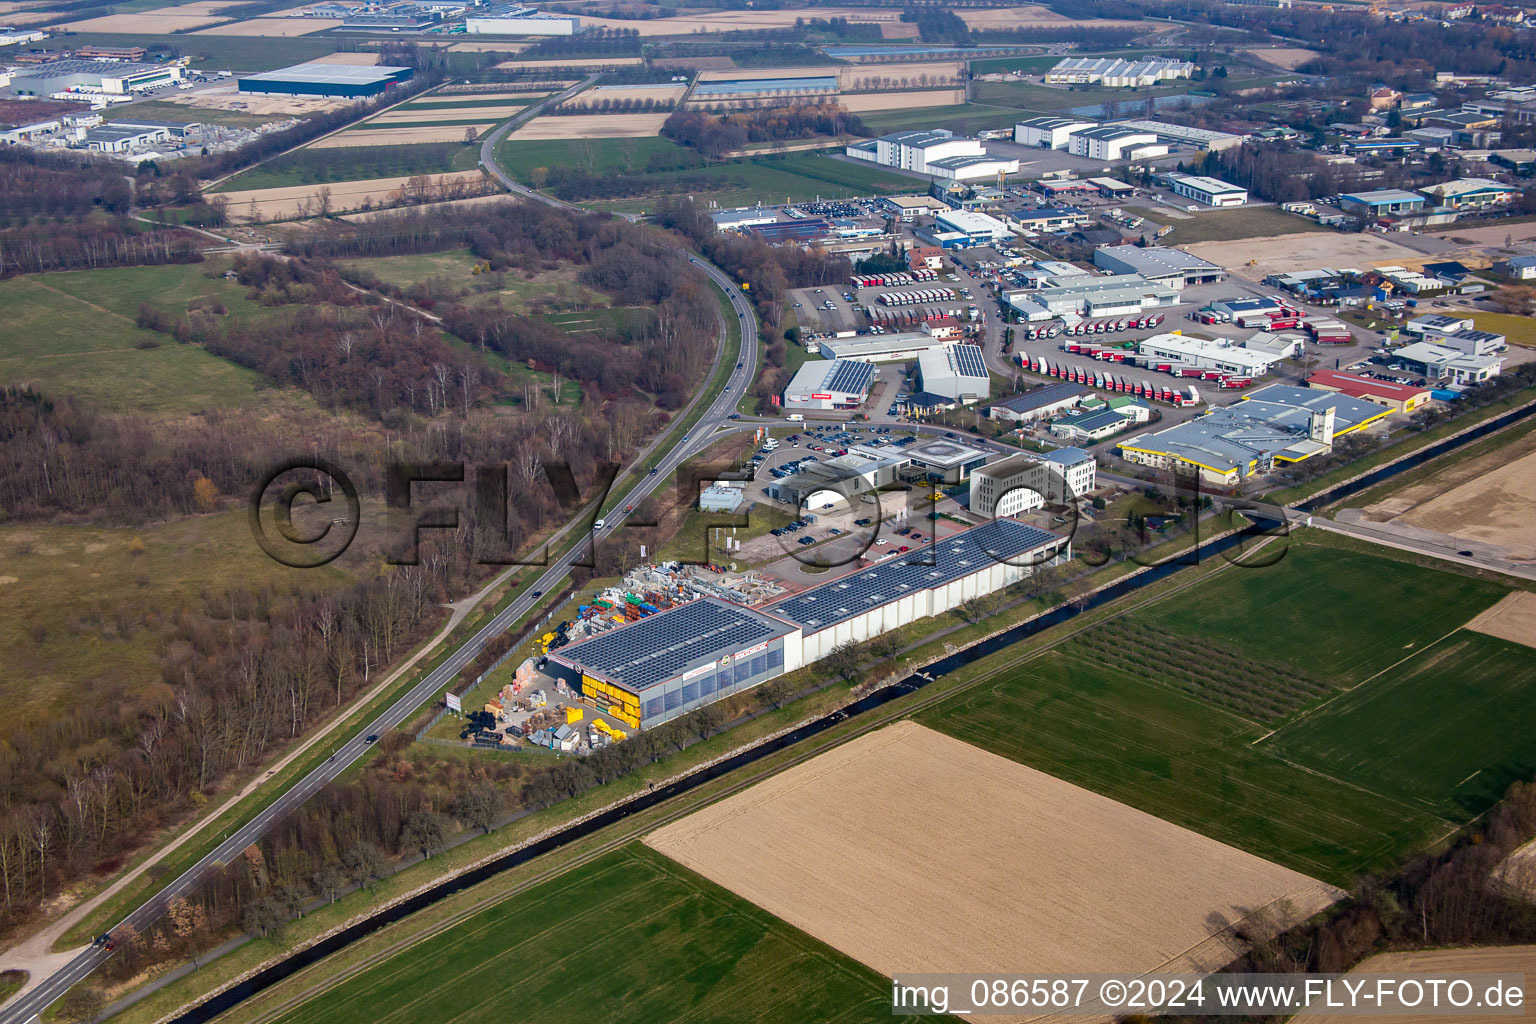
x=1221, y=378
x=892, y=280
x=916, y=297
x=1103, y=380
x=1086, y=327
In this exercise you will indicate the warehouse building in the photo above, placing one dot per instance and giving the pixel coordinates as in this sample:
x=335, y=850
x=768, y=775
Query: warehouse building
x=882, y=348
x=1205, y=138
x=1276, y=424
x=893, y=593
x=343, y=81
x=1022, y=483
x=1172, y=267
x=1047, y=219
x=912, y=207
x=1101, y=296
x=1208, y=355
x=117, y=78
x=913, y=150
x=1210, y=191
x=971, y=168
x=956, y=372
x=1049, y=132
x=1094, y=426
x=820, y=486
x=1038, y=404
x=515, y=20
x=1381, y=202
x=1402, y=398
x=1116, y=73
x=1108, y=142
x=963, y=229
x=829, y=384
x=1471, y=193
x=1459, y=333
x=736, y=220
x=667, y=664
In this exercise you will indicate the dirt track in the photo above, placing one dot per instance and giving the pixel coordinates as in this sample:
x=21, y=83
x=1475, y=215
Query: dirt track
x=913, y=851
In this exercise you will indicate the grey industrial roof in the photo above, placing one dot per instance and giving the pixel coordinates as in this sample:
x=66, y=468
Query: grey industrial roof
x=952, y=558
x=1109, y=132
x=845, y=375
x=1093, y=421
x=109, y=69
x=956, y=162
x=1041, y=397
x=328, y=74
x=1069, y=456
x=940, y=453
x=1154, y=261
x=1376, y=197
x=667, y=644
x=1050, y=123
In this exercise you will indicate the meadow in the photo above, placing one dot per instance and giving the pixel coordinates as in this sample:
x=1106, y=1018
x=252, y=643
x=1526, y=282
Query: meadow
x=1226, y=225
x=630, y=930
x=1367, y=731
x=75, y=332
x=355, y=163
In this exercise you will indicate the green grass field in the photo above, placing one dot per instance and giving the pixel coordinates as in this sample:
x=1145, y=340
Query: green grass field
x=1347, y=781
x=609, y=318
x=630, y=935
x=403, y=271
x=967, y=117
x=163, y=110
x=1224, y=225
x=1520, y=330
x=796, y=178
x=74, y=333
x=356, y=163
x=608, y=156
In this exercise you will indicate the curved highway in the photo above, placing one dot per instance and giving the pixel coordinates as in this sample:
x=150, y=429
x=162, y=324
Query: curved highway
x=30, y=1004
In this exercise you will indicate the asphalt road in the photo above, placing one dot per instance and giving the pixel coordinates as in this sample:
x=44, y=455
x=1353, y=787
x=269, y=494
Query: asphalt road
x=716, y=415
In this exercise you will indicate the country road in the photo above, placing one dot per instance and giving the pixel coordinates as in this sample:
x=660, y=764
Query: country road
x=39, y=996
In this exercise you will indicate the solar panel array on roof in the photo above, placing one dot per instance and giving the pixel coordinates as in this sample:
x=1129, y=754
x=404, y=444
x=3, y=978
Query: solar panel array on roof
x=968, y=361
x=954, y=557
x=665, y=645
x=850, y=377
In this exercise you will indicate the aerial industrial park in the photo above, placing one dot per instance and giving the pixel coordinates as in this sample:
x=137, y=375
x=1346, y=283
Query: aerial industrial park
x=720, y=511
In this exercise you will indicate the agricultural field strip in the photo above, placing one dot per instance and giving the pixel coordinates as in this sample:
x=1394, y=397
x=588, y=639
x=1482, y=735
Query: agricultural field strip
x=1112, y=739
x=486, y=113
x=859, y=727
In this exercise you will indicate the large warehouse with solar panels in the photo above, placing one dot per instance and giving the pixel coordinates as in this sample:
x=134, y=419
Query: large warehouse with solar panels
x=670, y=663
x=347, y=81
x=829, y=384
x=956, y=372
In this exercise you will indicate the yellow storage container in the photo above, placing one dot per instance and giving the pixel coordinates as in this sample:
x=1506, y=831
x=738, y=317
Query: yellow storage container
x=574, y=714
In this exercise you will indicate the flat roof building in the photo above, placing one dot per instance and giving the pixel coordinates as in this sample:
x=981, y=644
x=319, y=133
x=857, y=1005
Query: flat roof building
x=516, y=20
x=1439, y=363
x=1172, y=267
x=956, y=372
x=1100, y=296
x=945, y=461
x=882, y=348
x=735, y=220
x=1116, y=73
x=1470, y=193
x=316, y=78
x=1210, y=355
x=1276, y=424
x=913, y=150
x=1401, y=398
x=1210, y=191
x=910, y=207
x=1381, y=201
x=111, y=77
x=669, y=663
x=829, y=384
x=1205, y=138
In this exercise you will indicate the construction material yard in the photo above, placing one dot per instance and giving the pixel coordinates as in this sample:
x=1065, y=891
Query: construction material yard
x=909, y=850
